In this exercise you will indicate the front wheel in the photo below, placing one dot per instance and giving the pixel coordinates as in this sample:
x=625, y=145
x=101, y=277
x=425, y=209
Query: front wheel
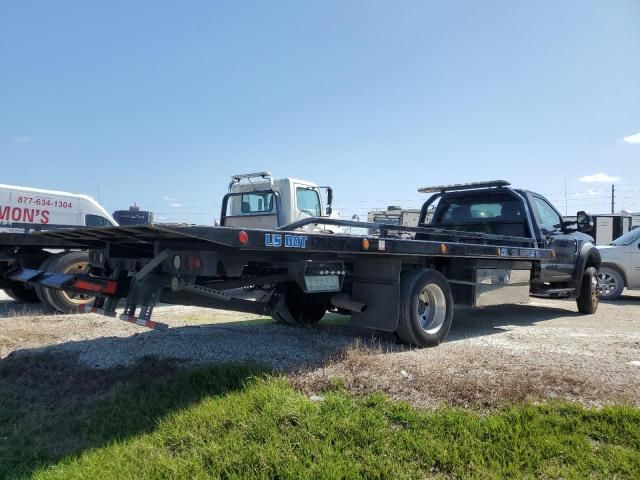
x=588, y=299
x=610, y=284
x=426, y=308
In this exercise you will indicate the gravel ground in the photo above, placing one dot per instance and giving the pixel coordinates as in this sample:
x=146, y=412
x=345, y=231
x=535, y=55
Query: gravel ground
x=492, y=356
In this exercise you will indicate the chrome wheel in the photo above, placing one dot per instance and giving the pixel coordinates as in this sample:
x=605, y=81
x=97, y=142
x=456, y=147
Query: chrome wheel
x=432, y=308
x=607, y=284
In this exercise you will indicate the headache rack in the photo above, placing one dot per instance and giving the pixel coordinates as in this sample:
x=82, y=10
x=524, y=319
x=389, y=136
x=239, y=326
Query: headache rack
x=456, y=187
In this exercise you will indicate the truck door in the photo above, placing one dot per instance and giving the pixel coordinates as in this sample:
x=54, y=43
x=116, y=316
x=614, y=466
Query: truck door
x=307, y=202
x=565, y=245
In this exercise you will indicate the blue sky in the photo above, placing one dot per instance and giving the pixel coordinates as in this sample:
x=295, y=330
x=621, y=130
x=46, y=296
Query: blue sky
x=160, y=102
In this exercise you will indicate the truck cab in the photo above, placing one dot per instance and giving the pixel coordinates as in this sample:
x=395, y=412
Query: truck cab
x=257, y=200
x=496, y=209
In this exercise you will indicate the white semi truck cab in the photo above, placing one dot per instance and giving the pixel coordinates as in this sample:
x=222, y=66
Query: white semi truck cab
x=257, y=200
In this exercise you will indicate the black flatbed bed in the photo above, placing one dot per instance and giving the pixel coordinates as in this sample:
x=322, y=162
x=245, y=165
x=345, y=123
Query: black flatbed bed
x=34, y=239
x=433, y=242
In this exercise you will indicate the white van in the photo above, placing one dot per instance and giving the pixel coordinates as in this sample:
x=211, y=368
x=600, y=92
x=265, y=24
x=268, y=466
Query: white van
x=24, y=209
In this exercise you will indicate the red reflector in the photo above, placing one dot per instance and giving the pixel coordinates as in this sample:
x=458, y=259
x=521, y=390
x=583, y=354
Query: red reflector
x=243, y=237
x=84, y=285
x=107, y=287
x=197, y=263
x=111, y=288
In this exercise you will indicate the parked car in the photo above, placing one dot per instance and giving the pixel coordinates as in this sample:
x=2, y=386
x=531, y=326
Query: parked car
x=620, y=266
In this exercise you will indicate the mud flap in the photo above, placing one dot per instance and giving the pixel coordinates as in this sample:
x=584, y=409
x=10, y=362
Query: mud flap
x=376, y=283
x=281, y=313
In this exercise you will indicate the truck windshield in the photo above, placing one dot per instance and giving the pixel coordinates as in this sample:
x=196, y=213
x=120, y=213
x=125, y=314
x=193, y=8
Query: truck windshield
x=96, y=221
x=627, y=239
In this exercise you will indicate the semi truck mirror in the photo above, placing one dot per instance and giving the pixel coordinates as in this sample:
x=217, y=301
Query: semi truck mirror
x=329, y=198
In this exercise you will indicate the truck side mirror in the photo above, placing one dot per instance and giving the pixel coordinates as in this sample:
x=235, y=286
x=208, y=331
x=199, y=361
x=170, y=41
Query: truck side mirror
x=584, y=221
x=329, y=198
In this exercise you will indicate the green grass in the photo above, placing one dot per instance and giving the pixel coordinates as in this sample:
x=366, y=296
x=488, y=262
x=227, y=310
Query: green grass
x=154, y=420
x=51, y=407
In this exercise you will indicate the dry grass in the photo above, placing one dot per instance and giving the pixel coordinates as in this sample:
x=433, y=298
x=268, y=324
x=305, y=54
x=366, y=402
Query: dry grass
x=460, y=375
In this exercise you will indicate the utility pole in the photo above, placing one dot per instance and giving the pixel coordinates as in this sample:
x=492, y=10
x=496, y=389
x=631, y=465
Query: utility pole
x=613, y=198
x=566, y=208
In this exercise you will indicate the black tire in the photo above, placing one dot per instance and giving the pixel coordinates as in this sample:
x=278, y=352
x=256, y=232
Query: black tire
x=610, y=283
x=296, y=307
x=39, y=289
x=65, y=302
x=21, y=292
x=588, y=299
x=426, y=308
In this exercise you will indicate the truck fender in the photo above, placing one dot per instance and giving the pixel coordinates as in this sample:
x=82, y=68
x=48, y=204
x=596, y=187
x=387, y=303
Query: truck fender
x=589, y=256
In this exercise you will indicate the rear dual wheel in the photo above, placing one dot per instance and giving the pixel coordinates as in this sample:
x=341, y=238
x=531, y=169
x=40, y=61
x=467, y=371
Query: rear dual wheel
x=295, y=307
x=41, y=292
x=426, y=308
x=21, y=292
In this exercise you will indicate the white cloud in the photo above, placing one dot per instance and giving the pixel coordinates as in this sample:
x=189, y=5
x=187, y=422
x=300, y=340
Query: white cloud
x=167, y=198
x=175, y=205
x=632, y=138
x=599, y=178
x=588, y=193
x=22, y=139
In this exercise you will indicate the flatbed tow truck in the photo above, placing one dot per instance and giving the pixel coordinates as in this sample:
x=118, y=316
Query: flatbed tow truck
x=486, y=244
